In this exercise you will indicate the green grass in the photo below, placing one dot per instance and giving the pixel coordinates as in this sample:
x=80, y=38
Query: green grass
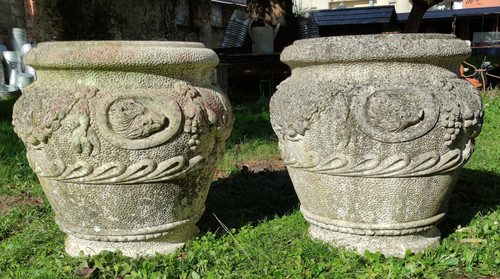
x=252, y=137
x=268, y=235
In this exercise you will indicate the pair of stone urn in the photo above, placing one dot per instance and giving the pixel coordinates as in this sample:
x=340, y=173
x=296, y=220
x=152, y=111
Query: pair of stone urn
x=125, y=137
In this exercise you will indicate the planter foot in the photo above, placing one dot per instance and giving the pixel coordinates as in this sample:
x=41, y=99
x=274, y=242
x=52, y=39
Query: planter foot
x=388, y=245
x=163, y=245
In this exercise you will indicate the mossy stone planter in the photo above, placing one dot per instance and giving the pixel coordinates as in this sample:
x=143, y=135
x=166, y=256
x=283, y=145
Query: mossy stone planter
x=374, y=130
x=124, y=137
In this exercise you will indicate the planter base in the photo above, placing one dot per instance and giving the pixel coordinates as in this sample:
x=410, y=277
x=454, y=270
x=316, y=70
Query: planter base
x=388, y=245
x=163, y=245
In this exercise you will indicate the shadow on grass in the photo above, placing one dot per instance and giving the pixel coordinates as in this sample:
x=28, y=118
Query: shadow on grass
x=476, y=192
x=248, y=198
x=254, y=197
x=6, y=106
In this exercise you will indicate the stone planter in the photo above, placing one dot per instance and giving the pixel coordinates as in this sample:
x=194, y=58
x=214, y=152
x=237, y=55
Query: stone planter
x=374, y=131
x=124, y=138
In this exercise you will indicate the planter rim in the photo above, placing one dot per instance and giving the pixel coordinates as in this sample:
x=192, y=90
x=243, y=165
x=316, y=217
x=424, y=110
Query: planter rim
x=118, y=54
x=135, y=43
x=379, y=47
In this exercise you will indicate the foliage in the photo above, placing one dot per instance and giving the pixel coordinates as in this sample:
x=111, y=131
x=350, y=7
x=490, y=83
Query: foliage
x=267, y=235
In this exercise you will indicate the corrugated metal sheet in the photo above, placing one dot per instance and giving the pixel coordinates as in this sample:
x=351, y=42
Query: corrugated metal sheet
x=451, y=13
x=348, y=16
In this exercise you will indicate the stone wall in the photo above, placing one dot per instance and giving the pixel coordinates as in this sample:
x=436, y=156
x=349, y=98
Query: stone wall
x=184, y=20
x=11, y=15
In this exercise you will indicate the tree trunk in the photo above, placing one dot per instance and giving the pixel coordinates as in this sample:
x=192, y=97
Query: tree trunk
x=417, y=12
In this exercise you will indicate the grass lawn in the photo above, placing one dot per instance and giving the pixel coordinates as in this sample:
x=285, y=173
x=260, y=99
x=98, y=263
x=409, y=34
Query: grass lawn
x=267, y=235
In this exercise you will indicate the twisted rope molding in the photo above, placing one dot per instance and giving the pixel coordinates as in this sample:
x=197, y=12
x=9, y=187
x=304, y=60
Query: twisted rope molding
x=399, y=165
x=144, y=171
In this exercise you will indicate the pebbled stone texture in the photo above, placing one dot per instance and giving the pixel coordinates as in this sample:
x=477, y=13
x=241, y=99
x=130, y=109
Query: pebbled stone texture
x=374, y=130
x=124, y=137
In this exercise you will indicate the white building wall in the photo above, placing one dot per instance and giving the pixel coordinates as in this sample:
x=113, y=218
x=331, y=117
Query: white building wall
x=312, y=4
x=402, y=6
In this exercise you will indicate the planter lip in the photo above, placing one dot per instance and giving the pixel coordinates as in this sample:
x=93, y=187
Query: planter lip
x=134, y=43
x=118, y=54
x=411, y=47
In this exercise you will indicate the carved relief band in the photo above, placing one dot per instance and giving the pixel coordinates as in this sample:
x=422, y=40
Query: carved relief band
x=124, y=137
x=374, y=130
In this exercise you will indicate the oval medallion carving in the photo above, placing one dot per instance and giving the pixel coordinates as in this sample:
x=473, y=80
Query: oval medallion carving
x=132, y=120
x=396, y=115
x=138, y=122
